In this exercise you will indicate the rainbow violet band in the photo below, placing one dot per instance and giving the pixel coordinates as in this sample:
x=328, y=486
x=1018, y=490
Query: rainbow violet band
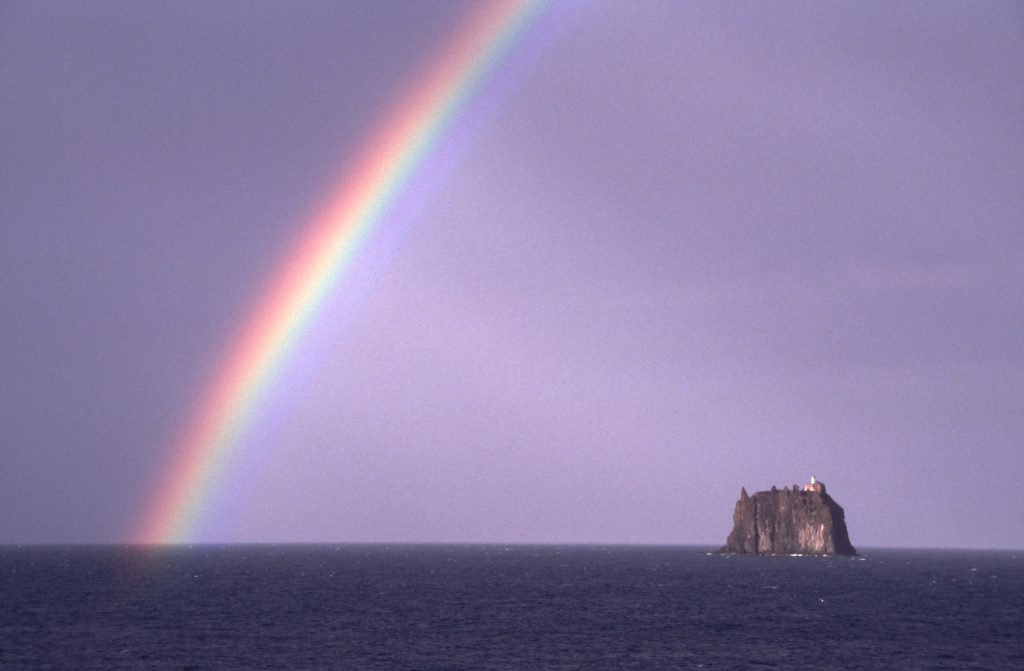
x=313, y=271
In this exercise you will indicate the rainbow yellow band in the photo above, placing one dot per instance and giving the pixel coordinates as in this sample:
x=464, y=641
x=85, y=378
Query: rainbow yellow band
x=313, y=271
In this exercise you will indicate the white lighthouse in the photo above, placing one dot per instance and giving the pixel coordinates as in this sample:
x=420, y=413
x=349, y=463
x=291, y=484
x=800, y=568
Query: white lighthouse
x=815, y=486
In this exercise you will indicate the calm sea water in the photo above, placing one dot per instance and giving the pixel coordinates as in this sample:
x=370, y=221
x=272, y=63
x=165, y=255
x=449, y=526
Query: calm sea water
x=520, y=607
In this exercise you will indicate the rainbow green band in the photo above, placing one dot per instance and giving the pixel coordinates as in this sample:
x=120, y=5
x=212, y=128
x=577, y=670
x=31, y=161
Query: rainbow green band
x=313, y=272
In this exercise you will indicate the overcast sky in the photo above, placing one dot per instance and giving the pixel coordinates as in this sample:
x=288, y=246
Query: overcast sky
x=697, y=247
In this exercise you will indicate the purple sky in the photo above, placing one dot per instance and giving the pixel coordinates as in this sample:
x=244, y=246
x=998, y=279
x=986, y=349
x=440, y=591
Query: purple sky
x=699, y=247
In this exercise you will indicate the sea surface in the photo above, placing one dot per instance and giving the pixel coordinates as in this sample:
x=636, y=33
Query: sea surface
x=497, y=607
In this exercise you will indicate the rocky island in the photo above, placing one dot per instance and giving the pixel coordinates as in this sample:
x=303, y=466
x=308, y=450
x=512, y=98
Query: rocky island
x=801, y=521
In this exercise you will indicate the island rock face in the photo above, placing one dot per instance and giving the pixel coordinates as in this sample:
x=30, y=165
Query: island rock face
x=803, y=521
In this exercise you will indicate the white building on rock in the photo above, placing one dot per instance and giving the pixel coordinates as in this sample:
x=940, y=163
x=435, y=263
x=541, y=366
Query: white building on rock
x=815, y=486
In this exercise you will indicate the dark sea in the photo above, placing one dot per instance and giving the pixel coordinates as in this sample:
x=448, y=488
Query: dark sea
x=496, y=607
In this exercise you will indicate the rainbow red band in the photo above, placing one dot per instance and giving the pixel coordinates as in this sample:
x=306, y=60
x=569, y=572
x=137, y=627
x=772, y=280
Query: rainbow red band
x=321, y=260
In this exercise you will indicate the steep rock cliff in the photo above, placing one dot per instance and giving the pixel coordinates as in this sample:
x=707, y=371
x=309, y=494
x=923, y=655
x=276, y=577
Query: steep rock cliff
x=785, y=522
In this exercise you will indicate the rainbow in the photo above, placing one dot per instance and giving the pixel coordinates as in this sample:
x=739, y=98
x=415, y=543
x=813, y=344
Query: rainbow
x=303, y=285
